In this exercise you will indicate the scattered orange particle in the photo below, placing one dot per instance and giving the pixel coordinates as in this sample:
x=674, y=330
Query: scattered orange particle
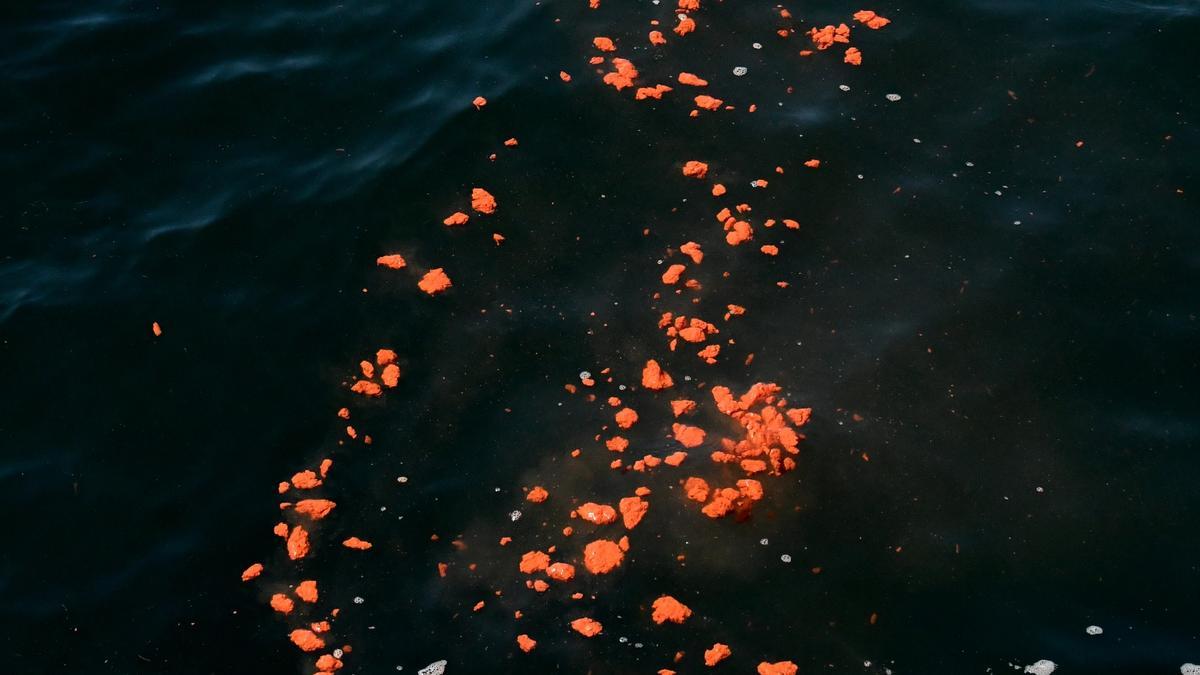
x=673, y=273
x=394, y=261
x=533, y=561
x=693, y=251
x=604, y=44
x=328, y=663
x=435, y=281
x=587, y=627
x=617, y=444
x=853, y=56
x=656, y=38
x=478, y=606
x=626, y=417
x=564, y=76
x=511, y=143
x=716, y=654
x=695, y=169
x=561, y=571
x=654, y=377
x=456, y=218
x=778, y=668
x=667, y=608
x=689, y=436
x=314, y=508
x=252, y=572
x=297, y=543
x=685, y=26
x=479, y=102
x=306, y=640
x=482, y=201
x=497, y=237
x=682, y=407
x=708, y=102
x=718, y=189
x=675, y=458
x=600, y=514
x=505, y=541
x=526, y=643
x=633, y=509
x=282, y=603
x=156, y=329
x=871, y=19
x=390, y=375
x=356, y=543
x=307, y=591
x=537, y=495
x=280, y=530
x=769, y=249
x=602, y=556
x=692, y=80
x=367, y=388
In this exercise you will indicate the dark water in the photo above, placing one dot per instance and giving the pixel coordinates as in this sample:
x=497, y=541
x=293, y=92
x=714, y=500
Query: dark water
x=1012, y=319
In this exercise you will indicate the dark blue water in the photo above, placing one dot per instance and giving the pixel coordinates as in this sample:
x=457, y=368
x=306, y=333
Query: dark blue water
x=1005, y=322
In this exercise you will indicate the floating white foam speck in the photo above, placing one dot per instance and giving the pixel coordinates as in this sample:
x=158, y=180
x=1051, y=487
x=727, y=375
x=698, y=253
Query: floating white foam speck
x=1042, y=667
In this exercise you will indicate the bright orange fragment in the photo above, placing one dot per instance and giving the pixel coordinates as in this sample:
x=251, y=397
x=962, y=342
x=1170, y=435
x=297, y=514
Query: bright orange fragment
x=685, y=26
x=297, y=543
x=708, y=102
x=871, y=19
x=479, y=102
x=667, y=608
x=537, y=495
x=561, y=571
x=306, y=640
x=690, y=437
x=695, y=169
x=394, y=261
x=656, y=38
x=314, y=508
x=252, y=572
x=156, y=329
x=282, y=603
x=812, y=163
x=356, y=543
x=435, y=281
x=604, y=44
x=307, y=590
x=654, y=377
x=390, y=375
x=564, y=76
x=526, y=643
x=600, y=514
x=853, y=56
x=482, y=201
x=778, y=668
x=716, y=654
x=682, y=407
x=673, y=273
x=769, y=249
x=533, y=561
x=456, y=218
x=626, y=417
x=633, y=509
x=692, y=250
x=587, y=627
x=602, y=556
x=692, y=80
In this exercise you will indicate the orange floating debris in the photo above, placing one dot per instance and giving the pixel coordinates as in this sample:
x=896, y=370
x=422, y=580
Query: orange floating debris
x=366, y=388
x=526, y=643
x=604, y=44
x=673, y=273
x=686, y=25
x=390, y=375
x=384, y=357
x=690, y=437
x=853, y=56
x=824, y=38
x=393, y=261
x=682, y=407
x=656, y=38
x=537, y=495
x=633, y=509
x=314, y=508
x=692, y=250
x=617, y=444
x=667, y=608
x=156, y=329
x=564, y=76
x=718, y=189
x=708, y=102
x=695, y=169
x=328, y=663
x=769, y=249
x=675, y=458
x=587, y=627
x=533, y=561
x=778, y=668
x=456, y=218
x=716, y=654
x=600, y=514
x=252, y=572
x=282, y=603
x=561, y=571
x=479, y=102
x=307, y=591
x=871, y=19
x=626, y=417
x=297, y=543
x=602, y=556
x=511, y=143
x=306, y=640
x=692, y=80
x=357, y=544
x=654, y=377
x=483, y=201
x=435, y=281
x=812, y=163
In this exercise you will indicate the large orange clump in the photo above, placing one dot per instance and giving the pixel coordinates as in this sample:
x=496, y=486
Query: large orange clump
x=561, y=571
x=692, y=250
x=252, y=572
x=778, y=668
x=328, y=663
x=656, y=38
x=600, y=514
x=435, y=281
x=305, y=480
x=357, y=544
x=587, y=627
x=716, y=654
x=367, y=388
x=537, y=495
x=282, y=603
x=456, y=218
x=626, y=417
x=654, y=377
x=602, y=556
x=390, y=375
x=633, y=509
x=673, y=273
x=685, y=26
x=314, y=508
x=654, y=92
x=307, y=590
x=306, y=640
x=871, y=19
x=667, y=609
x=696, y=489
x=526, y=643
x=533, y=561
x=824, y=38
x=623, y=76
x=708, y=102
x=682, y=407
x=482, y=201
x=604, y=44
x=297, y=543
x=394, y=261
x=853, y=56
x=691, y=80
x=690, y=437
x=694, y=169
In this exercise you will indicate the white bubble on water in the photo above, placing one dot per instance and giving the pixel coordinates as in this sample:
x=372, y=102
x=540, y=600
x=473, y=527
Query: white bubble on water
x=786, y=558
x=1189, y=669
x=764, y=541
x=1042, y=667
x=740, y=70
x=358, y=600
x=515, y=516
x=844, y=87
x=757, y=45
x=892, y=97
x=338, y=653
x=585, y=375
x=1094, y=630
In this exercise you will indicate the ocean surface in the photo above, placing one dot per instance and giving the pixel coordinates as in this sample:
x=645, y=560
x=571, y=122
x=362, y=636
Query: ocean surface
x=991, y=309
